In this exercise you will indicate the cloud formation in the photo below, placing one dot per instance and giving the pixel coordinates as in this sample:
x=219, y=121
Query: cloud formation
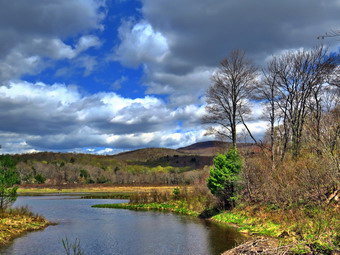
x=140, y=44
x=59, y=117
x=177, y=44
x=32, y=32
x=199, y=34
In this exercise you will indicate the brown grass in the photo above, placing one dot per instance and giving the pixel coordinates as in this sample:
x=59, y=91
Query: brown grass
x=90, y=188
x=15, y=222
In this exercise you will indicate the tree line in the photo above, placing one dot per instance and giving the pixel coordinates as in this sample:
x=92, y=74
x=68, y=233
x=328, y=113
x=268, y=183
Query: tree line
x=299, y=159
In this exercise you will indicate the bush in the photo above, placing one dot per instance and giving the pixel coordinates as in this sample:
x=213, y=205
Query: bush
x=8, y=178
x=84, y=174
x=40, y=178
x=224, y=176
x=307, y=180
x=176, y=192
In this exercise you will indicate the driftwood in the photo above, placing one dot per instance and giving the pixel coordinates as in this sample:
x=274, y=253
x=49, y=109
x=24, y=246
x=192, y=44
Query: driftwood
x=263, y=246
x=334, y=196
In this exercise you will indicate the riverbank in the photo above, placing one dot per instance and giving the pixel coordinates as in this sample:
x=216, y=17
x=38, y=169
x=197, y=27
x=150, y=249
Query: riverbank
x=299, y=231
x=18, y=221
x=169, y=207
x=246, y=224
x=88, y=188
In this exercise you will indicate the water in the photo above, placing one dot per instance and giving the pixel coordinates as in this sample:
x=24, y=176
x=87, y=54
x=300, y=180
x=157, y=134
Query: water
x=104, y=231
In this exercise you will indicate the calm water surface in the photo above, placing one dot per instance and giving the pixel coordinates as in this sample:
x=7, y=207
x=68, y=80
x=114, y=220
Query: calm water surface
x=117, y=231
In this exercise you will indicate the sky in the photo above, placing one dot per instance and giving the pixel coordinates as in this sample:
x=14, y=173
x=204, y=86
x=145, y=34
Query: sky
x=95, y=76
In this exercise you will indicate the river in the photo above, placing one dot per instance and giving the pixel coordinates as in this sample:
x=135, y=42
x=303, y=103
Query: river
x=104, y=231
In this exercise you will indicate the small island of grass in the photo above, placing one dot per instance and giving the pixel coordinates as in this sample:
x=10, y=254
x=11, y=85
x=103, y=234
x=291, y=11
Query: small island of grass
x=17, y=221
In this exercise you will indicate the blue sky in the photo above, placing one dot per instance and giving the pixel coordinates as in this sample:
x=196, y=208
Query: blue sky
x=102, y=77
x=107, y=75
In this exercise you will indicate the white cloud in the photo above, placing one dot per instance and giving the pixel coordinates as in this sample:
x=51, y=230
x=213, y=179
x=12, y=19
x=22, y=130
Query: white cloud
x=15, y=64
x=117, y=84
x=183, y=88
x=58, y=117
x=87, y=41
x=140, y=44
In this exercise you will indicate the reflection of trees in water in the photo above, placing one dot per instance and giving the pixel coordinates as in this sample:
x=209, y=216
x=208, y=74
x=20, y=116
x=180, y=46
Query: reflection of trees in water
x=217, y=237
x=222, y=237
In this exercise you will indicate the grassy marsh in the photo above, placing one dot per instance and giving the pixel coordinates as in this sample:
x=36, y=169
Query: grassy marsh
x=17, y=221
x=22, y=190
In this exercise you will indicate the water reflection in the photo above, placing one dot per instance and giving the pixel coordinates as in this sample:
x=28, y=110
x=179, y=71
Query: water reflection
x=114, y=231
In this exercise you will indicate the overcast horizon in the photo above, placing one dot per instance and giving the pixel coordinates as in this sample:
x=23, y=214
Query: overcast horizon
x=102, y=77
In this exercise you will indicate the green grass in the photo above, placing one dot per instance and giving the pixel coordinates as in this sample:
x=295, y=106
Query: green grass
x=307, y=230
x=175, y=207
x=250, y=225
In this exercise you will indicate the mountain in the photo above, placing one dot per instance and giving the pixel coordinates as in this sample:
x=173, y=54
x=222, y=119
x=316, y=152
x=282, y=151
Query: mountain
x=142, y=166
x=146, y=154
x=208, y=148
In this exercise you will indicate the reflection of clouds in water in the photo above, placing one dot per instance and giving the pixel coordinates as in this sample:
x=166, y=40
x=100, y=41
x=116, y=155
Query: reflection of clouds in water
x=117, y=231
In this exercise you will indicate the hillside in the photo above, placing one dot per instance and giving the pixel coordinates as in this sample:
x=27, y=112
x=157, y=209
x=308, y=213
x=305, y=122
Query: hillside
x=147, y=154
x=143, y=166
x=209, y=148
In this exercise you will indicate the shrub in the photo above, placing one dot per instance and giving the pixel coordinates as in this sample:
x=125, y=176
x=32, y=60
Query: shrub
x=176, y=192
x=84, y=174
x=8, y=178
x=224, y=176
x=40, y=178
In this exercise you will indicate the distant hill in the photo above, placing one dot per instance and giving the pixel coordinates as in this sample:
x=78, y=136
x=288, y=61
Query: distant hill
x=146, y=154
x=185, y=165
x=209, y=148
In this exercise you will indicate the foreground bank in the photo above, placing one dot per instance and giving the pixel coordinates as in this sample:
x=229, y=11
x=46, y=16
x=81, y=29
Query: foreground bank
x=307, y=231
x=18, y=221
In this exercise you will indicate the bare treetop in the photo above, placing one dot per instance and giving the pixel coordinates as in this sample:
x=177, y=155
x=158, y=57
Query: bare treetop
x=227, y=102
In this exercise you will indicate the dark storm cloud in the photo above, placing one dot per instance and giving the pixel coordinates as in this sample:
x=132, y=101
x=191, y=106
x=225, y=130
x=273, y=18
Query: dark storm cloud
x=33, y=30
x=22, y=19
x=180, y=43
x=201, y=33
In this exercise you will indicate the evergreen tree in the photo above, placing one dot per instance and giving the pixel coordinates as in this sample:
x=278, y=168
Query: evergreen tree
x=8, y=178
x=224, y=176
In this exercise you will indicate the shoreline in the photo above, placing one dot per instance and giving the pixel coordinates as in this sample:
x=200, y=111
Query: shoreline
x=150, y=207
x=89, y=188
x=226, y=217
x=270, y=244
x=292, y=229
x=14, y=224
x=264, y=232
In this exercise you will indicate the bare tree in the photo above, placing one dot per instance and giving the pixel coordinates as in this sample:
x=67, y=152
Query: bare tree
x=335, y=78
x=330, y=34
x=267, y=93
x=227, y=97
x=299, y=76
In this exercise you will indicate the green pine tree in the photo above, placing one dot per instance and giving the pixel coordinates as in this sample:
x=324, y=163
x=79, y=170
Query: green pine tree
x=224, y=176
x=8, y=178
